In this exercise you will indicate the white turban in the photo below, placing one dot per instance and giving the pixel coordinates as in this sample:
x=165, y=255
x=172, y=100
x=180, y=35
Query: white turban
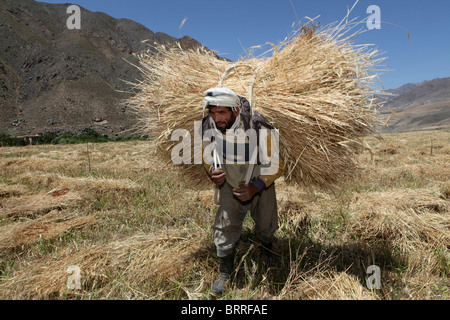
x=221, y=97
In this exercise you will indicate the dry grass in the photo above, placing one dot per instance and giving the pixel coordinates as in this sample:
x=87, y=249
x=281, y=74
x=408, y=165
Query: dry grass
x=402, y=216
x=7, y=191
x=88, y=185
x=315, y=87
x=128, y=262
x=49, y=226
x=330, y=286
x=38, y=204
x=138, y=233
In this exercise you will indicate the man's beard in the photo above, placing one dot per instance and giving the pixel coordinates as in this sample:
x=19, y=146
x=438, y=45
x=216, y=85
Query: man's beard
x=228, y=126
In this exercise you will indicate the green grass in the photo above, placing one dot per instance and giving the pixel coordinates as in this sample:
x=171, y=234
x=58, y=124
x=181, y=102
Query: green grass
x=8, y=140
x=87, y=136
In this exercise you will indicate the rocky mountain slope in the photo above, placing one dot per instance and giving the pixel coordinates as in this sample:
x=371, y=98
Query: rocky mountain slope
x=415, y=107
x=53, y=79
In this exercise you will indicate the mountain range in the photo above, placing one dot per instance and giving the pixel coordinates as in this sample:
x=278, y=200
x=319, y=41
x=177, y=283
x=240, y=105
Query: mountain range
x=54, y=79
x=417, y=106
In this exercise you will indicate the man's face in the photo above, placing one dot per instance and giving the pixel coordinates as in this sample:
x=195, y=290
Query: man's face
x=223, y=117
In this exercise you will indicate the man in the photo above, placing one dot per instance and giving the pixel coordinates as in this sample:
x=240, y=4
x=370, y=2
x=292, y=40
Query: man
x=245, y=183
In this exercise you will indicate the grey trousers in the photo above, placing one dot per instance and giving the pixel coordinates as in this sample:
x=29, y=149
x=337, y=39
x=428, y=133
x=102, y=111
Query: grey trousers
x=231, y=214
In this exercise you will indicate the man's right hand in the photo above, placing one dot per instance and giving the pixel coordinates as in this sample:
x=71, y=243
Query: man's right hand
x=218, y=176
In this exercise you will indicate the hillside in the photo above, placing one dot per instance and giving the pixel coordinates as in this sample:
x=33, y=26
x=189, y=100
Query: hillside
x=53, y=79
x=417, y=107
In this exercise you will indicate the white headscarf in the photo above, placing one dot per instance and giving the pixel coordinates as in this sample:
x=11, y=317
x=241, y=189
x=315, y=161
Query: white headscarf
x=221, y=97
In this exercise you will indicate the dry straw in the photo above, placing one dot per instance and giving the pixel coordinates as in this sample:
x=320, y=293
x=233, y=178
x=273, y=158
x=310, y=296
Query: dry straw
x=48, y=226
x=104, y=267
x=408, y=217
x=316, y=87
x=38, y=204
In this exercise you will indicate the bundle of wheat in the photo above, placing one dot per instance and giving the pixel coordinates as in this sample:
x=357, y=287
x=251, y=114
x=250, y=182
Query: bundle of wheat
x=316, y=88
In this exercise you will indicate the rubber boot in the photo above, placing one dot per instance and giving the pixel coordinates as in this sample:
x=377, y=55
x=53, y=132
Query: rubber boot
x=226, y=269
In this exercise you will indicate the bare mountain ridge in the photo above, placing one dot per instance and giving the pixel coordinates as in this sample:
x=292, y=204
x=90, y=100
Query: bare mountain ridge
x=53, y=79
x=416, y=107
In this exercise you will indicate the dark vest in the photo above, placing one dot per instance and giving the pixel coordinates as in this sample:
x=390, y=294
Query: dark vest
x=258, y=120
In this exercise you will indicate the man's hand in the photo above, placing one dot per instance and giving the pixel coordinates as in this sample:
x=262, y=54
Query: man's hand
x=218, y=176
x=245, y=193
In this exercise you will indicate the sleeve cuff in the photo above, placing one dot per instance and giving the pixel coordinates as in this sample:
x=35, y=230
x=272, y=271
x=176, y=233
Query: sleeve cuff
x=259, y=184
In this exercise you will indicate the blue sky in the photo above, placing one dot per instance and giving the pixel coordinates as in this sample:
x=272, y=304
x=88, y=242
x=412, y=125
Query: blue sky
x=233, y=26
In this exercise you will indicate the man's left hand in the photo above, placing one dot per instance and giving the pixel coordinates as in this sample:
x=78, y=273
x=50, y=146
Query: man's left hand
x=245, y=193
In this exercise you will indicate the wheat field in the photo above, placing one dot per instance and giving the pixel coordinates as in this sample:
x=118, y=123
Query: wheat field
x=134, y=230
